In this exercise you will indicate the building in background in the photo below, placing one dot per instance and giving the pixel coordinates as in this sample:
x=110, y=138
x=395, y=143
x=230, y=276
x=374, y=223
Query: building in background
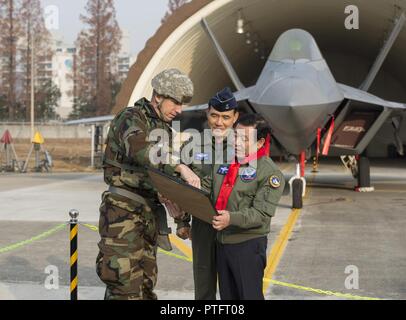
x=124, y=59
x=62, y=66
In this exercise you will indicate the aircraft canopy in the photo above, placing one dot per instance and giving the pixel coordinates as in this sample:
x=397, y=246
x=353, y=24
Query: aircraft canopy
x=296, y=45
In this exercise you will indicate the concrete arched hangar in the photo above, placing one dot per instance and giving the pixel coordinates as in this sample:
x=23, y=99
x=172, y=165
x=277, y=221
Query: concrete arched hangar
x=182, y=43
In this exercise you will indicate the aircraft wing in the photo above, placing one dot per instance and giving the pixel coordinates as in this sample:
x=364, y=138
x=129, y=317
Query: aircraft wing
x=351, y=93
x=241, y=95
x=95, y=120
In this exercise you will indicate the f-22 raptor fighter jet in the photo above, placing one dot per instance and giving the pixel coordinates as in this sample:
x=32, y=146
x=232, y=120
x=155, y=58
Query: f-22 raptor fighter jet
x=305, y=106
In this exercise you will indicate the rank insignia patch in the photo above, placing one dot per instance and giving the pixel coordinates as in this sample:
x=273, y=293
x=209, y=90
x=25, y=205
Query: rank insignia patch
x=201, y=156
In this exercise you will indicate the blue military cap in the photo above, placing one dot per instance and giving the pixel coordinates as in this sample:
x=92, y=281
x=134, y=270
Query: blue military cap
x=224, y=101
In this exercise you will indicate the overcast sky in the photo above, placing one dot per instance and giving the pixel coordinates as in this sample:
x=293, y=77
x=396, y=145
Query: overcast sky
x=141, y=18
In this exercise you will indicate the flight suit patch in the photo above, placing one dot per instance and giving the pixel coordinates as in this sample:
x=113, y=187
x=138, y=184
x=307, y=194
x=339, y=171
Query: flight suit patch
x=248, y=174
x=275, y=182
x=201, y=156
x=223, y=170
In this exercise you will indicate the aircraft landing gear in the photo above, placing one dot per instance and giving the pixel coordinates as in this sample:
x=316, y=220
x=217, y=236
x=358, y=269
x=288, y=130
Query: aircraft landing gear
x=364, y=175
x=297, y=193
x=359, y=167
x=298, y=184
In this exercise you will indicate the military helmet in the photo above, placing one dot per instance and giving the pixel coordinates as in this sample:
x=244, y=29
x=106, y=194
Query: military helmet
x=172, y=83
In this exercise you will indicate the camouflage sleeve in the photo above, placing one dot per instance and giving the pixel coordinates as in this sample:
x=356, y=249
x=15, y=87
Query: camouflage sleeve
x=170, y=169
x=138, y=146
x=264, y=205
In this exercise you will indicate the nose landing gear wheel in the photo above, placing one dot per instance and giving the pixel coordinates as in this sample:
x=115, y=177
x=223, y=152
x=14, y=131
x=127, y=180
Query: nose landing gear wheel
x=297, y=194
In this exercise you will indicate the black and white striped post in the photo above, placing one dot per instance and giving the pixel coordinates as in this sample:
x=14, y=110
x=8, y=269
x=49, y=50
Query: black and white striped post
x=74, y=254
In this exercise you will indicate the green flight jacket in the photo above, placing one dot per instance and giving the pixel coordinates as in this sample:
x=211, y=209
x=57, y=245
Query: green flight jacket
x=203, y=159
x=252, y=202
x=207, y=154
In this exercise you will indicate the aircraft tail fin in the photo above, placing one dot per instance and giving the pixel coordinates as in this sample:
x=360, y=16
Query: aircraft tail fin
x=222, y=56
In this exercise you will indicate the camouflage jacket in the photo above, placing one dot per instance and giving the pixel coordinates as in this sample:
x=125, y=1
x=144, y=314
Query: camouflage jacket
x=128, y=150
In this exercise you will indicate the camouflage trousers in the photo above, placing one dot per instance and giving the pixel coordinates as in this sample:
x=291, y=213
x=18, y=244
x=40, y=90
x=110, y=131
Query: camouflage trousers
x=127, y=259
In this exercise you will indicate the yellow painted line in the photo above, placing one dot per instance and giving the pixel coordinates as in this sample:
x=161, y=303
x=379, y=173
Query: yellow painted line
x=74, y=258
x=274, y=258
x=74, y=284
x=91, y=227
x=294, y=286
x=319, y=291
x=186, y=250
x=177, y=256
x=36, y=238
x=279, y=247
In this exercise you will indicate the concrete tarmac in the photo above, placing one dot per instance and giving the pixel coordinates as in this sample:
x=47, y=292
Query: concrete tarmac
x=337, y=231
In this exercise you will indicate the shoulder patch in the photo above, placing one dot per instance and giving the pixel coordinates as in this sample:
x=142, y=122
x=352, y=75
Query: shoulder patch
x=275, y=181
x=223, y=170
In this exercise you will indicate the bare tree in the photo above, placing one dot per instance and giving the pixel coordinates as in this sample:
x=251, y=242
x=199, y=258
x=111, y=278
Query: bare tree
x=95, y=60
x=9, y=36
x=22, y=29
x=35, y=39
x=173, y=5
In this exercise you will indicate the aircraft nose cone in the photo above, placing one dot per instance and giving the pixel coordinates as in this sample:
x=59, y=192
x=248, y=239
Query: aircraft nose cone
x=294, y=92
x=296, y=106
x=295, y=127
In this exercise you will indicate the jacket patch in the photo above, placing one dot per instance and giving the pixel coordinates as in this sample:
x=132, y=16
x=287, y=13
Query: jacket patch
x=201, y=156
x=275, y=182
x=248, y=174
x=223, y=170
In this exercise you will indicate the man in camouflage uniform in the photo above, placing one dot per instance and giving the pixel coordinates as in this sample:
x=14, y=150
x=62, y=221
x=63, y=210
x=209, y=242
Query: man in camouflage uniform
x=128, y=214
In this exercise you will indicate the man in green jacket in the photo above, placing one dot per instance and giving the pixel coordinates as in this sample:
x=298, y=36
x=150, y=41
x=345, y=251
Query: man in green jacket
x=216, y=147
x=247, y=193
